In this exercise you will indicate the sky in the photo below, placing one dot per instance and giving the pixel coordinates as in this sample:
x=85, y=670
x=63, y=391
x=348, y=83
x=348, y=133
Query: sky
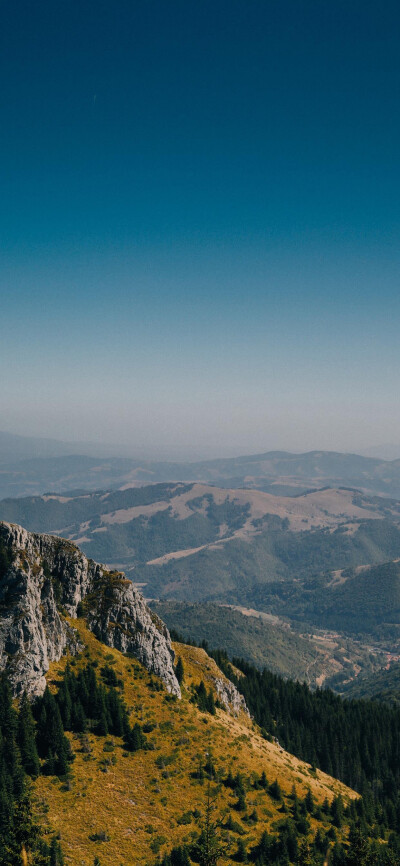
x=200, y=224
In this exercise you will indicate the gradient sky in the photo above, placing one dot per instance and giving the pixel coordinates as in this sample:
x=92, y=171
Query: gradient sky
x=200, y=223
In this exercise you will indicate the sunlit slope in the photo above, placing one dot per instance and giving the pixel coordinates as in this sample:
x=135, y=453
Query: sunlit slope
x=143, y=802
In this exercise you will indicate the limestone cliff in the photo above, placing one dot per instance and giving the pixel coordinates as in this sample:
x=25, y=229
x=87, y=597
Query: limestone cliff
x=230, y=697
x=43, y=579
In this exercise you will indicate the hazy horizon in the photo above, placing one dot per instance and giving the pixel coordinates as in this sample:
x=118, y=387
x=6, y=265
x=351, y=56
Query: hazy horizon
x=200, y=232
x=385, y=451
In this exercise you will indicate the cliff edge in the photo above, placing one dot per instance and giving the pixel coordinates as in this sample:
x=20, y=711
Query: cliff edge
x=44, y=580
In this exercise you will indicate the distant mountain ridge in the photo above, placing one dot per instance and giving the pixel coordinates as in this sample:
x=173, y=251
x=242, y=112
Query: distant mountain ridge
x=31, y=466
x=14, y=447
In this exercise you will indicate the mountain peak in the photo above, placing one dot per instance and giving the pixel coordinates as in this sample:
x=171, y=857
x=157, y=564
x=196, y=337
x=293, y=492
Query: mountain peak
x=46, y=580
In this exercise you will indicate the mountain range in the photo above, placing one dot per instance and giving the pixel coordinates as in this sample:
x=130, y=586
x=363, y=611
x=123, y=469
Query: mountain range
x=35, y=466
x=323, y=561
x=303, y=579
x=122, y=751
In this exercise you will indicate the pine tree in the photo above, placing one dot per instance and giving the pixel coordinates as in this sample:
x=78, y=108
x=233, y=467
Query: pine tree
x=179, y=670
x=274, y=790
x=240, y=805
x=135, y=738
x=209, y=847
x=201, y=692
x=117, y=713
x=325, y=806
x=261, y=852
x=102, y=726
x=320, y=843
x=20, y=839
x=309, y=801
x=177, y=857
x=359, y=852
x=241, y=853
x=26, y=832
x=305, y=857
x=64, y=700
x=337, y=811
x=26, y=738
x=11, y=758
x=210, y=704
x=56, y=855
x=79, y=721
x=229, y=782
x=51, y=740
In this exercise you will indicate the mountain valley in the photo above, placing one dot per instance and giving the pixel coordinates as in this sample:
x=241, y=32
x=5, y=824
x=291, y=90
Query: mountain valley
x=323, y=560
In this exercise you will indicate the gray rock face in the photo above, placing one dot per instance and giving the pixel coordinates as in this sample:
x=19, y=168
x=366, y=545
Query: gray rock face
x=41, y=579
x=230, y=698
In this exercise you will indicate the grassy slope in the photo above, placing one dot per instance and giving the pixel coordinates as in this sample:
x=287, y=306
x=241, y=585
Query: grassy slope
x=139, y=803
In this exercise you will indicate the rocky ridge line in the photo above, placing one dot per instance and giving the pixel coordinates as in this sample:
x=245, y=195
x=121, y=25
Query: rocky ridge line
x=44, y=578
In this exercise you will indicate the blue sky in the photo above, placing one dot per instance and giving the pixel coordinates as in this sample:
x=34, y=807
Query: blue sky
x=200, y=223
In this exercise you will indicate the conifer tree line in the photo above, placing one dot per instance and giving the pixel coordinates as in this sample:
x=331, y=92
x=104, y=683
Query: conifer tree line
x=33, y=741
x=204, y=699
x=356, y=741
x=343, y=836
x=82, y=703
x=19, y=760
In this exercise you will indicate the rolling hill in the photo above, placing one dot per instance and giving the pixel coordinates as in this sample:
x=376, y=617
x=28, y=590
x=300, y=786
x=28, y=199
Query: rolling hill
x=382, y=685
x=30, y=466
x=319, y=658
x=301, y=558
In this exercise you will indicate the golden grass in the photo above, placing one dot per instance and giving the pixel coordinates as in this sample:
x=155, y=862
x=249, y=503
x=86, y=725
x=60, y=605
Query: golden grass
x=139, y=800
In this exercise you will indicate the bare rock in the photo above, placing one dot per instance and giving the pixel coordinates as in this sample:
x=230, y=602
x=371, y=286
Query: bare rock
x=43, y=578
x=230, y=698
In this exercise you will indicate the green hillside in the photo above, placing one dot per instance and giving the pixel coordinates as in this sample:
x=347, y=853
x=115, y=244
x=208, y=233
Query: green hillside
x=365, y=601
x=290, y=575
x=295, y=557
x=266, y=645
x=39, y=513
x=383, y=685
x=320, y=658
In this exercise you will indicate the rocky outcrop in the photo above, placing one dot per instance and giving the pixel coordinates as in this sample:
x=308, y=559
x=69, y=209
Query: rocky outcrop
x=42, y=580
x=118, y=615
x=230, y=698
